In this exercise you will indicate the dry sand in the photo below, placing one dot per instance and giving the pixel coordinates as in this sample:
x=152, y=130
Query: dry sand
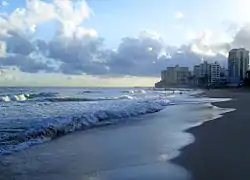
x=221, y=150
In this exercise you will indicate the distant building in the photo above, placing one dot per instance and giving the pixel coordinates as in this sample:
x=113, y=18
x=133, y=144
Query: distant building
x=196, y=71
x=215, y=73
x=196, y=75
x=205, y=69
x=238, y=64
x=206, y=74
x=202, y=73
x=223, y=72
x=183, y=75
x=174, y=76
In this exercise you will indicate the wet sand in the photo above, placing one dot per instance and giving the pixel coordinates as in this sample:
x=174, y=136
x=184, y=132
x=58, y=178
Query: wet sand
x=221, y=150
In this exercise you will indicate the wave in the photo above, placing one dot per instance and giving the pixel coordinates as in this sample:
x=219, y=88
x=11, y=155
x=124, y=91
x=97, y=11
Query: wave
x=49, y=129
x=20, y=97
x=77, y=99
x=42, y=95
x=136, y=91
x=27, y=96
x=90, y=91
x=52, y=97
x=5, y=98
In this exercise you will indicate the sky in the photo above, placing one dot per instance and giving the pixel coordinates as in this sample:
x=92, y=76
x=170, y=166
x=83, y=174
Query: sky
x=114, y=43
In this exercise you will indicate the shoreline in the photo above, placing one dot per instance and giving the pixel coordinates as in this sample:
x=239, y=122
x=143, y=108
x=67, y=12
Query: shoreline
x=221, y=147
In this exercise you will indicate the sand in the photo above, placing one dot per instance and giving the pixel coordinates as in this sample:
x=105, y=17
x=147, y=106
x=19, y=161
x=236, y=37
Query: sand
x=221, y=150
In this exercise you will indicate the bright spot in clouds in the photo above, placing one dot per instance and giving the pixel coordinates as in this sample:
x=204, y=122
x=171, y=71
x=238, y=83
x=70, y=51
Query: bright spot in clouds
x=150, y=49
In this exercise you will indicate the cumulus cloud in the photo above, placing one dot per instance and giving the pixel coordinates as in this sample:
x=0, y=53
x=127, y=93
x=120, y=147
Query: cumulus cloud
x=18, y=28
x=138, y=56
x=26, y=63
x=203, y=44
x=2, y=49
x=242, y=37
x=75, y=50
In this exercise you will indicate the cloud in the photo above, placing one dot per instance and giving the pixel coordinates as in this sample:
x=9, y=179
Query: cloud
x=71, y=15
x=18, y=28
x=179, y=15
x=2, y=49
x=4, y=3
x=242, y=37
x=79, y=55
x=24, y=20
x=18, y=43
x=138, y=56
x=26, y=64
x=203, y=44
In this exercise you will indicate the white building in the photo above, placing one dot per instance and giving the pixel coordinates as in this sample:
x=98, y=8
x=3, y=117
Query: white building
x=207, y=73
x=238, y=64
x=215, y=73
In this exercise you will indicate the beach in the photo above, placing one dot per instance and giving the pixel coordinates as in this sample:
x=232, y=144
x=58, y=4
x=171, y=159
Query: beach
x=221, y=148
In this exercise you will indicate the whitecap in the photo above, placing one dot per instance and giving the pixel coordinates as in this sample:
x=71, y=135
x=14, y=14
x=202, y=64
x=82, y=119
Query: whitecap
x=20, y=97
x=5, y=98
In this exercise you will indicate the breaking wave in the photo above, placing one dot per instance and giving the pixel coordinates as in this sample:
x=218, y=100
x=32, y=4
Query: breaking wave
x=52, y=97
x=73, y=99
x=136, y=91
x=25, y=97
x=20, y=97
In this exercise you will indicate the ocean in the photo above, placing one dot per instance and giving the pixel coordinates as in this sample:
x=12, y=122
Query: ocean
x=98, y=133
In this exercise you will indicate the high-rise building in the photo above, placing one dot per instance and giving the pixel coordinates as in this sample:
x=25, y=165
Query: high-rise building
x=207, y=73
x=238, y=64
x=205, y=69
x=215, y=73
x=183, y=75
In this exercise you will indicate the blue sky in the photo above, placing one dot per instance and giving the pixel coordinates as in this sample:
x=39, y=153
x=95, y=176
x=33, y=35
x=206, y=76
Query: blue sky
x=197, y=28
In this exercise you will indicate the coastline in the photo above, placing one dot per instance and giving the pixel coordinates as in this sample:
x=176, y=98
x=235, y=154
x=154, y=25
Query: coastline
x=221, y=148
